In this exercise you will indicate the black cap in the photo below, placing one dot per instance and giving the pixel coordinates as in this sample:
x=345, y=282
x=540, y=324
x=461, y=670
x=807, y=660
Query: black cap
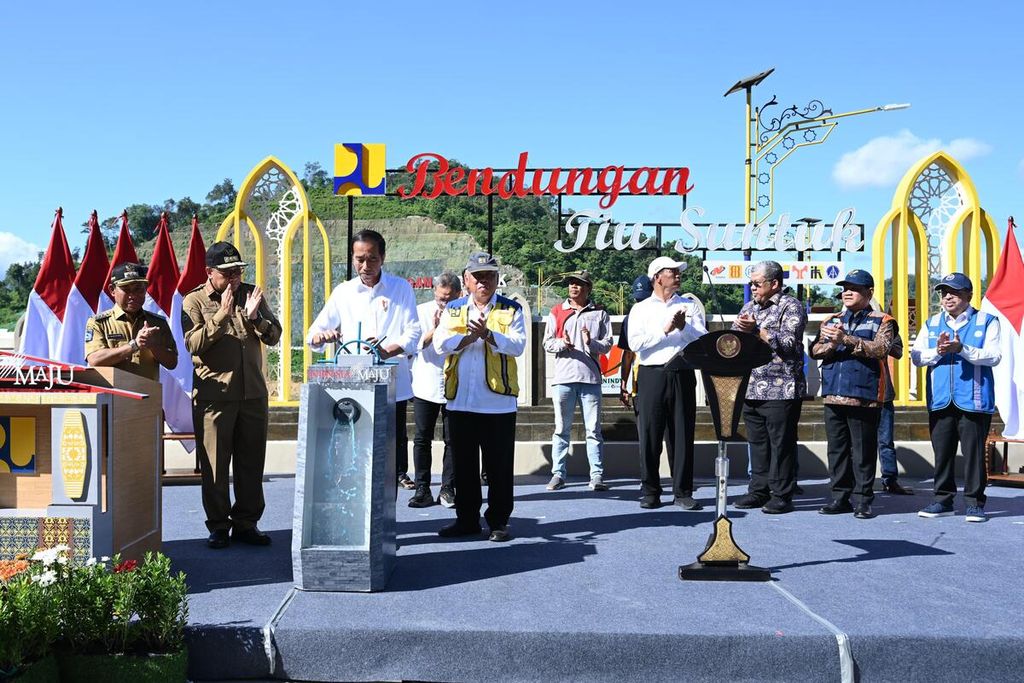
x=223, y=255
x=127, y=273
x=858, y=278
x=481, y=261
x=580, y=276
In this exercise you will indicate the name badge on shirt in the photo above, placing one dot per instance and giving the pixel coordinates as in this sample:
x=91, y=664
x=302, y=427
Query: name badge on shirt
x=115, y=337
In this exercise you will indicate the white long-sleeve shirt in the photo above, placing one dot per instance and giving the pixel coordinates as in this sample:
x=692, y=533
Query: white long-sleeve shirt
x=647, y=321
x=386, y=309
x=473, y=394
x=987, y=353
x=427, y=364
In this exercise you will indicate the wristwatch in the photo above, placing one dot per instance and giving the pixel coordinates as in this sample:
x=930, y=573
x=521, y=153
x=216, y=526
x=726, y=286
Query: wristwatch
x=134, y=346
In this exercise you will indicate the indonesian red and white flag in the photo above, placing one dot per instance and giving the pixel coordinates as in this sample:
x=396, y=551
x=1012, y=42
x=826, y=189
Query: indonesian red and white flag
x=163, y=278
x=1003, y=299
x=124, y=252
x=84, y=297
x=192, y=276
x=44, y=316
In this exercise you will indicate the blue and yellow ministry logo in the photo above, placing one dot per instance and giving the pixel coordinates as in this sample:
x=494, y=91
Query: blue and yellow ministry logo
x=359, y=169
x=18, y=445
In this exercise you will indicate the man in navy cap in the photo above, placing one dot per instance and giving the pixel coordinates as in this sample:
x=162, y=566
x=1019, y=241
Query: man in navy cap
x=642, y=289
x=854, y=346
x=959, y=345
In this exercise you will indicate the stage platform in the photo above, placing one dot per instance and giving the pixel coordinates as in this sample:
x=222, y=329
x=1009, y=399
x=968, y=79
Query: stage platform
x=588, y=590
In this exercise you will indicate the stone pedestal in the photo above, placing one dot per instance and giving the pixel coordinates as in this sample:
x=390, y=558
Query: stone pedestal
x=343, y=536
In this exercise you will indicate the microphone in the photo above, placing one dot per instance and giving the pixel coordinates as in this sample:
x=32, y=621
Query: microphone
x=714, y=295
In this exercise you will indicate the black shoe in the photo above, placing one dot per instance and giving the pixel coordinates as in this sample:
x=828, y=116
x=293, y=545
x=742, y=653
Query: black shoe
x=837, y=507
x=863, y=511
x=251, y=536
x=404, y=482
x=892, y=486
x=749, y=502
x=499, y=534
x=777, y=506
x=688, y=503
x=650, y=502
x=423, y=497
x=446, y=497
x=218, y=539
x=455, y=530
x=798, y=490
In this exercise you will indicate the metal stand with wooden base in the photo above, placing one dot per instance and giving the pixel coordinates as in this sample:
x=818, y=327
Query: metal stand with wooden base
x=722, y=559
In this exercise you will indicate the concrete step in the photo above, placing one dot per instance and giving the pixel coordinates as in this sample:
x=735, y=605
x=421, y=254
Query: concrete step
x=535, y=423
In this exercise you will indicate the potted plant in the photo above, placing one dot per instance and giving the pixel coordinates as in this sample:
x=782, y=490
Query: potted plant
x=122, y=621
x=28, y=622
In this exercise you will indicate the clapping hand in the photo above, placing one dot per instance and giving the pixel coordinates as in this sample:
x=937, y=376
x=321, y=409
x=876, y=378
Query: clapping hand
x=567, y=341
x=227, y=301
x=477, y=328
x=677, y=322
x=252, y=304
x=585, y=333
x=946, y=345
x=746, y=323
x=144, y=337
x=833, y=332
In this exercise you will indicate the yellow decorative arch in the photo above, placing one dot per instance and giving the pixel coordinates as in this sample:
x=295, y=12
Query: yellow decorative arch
x=935, y=184
x=271, y=207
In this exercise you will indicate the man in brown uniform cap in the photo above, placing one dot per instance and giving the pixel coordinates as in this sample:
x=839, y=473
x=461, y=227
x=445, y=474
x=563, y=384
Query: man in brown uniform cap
x=126, y=336
x=225, y=322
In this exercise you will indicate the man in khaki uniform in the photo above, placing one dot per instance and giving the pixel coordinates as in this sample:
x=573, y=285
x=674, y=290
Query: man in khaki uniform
x=225, y=322
x=126, y=336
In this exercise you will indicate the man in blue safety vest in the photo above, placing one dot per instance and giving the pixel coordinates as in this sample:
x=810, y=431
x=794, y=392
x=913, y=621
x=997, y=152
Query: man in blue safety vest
x=959, y=345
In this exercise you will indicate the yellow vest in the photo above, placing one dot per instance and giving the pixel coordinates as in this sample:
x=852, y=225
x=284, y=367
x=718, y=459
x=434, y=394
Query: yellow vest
x=500, y=369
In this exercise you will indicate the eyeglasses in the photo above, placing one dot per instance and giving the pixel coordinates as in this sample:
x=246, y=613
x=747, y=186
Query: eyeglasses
x=230, y=272
x=754, y=284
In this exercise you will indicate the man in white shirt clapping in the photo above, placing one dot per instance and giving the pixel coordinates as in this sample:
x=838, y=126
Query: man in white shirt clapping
x=660, y=327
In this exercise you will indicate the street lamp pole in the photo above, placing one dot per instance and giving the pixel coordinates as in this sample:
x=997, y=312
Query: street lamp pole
x=793, y=128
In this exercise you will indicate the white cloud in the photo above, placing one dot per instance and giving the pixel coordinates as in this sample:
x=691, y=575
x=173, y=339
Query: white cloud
x=13, y=249
x=883, y=161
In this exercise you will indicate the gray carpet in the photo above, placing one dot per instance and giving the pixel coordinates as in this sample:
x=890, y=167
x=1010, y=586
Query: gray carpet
x=587, y=590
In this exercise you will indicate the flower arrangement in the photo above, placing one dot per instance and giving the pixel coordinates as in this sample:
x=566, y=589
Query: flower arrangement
x=102, y=607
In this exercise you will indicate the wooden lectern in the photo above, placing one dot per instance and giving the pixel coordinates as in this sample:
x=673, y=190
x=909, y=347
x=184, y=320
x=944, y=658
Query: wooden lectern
x=79, y=462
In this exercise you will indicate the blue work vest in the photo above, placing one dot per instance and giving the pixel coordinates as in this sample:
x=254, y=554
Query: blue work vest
x=954, y=379
x=847, y=375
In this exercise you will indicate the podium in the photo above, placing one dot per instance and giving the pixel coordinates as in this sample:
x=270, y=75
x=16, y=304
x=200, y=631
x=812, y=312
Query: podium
x=725, y=359
x=79, y=462
x=343, y=535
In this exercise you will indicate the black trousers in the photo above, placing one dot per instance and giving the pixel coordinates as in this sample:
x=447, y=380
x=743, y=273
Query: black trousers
x=852, y=450
x=771, y=433
x=666, y=400
x=425, y=414
x=949, y=427
x=492, y=438
x=401, y=438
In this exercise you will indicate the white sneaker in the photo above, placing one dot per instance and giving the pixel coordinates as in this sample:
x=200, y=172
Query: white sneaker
x=597, y=483
x=556, y=483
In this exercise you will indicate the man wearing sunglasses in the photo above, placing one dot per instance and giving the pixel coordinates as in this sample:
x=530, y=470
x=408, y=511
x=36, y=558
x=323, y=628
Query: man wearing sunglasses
x=854, y=346
x=959, y=345
x=226, y=323
x=771, y=411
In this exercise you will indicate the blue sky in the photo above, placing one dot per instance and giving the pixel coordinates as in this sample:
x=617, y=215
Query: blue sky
x=110, y=105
